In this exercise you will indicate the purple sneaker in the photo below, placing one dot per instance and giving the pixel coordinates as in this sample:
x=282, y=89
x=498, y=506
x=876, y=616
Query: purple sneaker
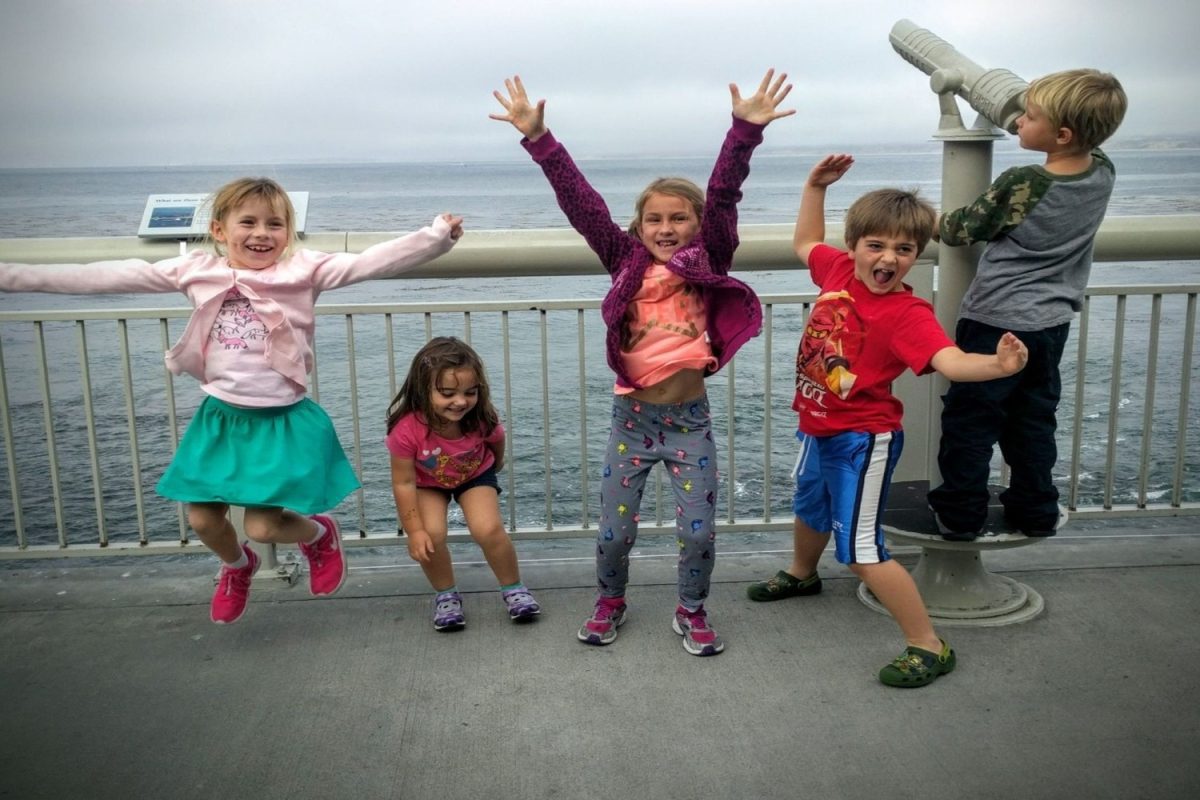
x=601, y=627
x=447, y=612
x=698, y=638
x=521, y=605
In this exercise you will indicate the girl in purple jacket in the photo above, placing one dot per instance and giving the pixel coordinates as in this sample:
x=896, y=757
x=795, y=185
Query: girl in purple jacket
x=674, y=316
x=256, y=440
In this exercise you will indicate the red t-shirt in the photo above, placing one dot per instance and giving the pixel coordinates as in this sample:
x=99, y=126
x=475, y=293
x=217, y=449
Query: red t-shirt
x=855, y=344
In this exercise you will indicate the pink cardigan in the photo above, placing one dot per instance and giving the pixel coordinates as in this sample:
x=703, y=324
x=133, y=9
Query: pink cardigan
x=283, y=295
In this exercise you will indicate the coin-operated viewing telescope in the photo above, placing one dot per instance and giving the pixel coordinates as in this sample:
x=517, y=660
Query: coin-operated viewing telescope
x=997, y=94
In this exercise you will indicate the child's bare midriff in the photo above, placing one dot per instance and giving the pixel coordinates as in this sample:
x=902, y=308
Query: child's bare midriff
x=683, y=386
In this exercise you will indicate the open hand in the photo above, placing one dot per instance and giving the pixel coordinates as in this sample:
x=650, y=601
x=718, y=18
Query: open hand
x=830, y=169
x=1012, y=354
x=528, y=119
x=759, y=108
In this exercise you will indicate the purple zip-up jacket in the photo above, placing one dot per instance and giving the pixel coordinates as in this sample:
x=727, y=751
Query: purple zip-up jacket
x=734, y=312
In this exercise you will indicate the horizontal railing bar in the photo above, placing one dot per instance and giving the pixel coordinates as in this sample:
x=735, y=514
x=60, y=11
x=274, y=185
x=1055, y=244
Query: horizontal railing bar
x=485, y=306
x=561, y=251
x=390, y=538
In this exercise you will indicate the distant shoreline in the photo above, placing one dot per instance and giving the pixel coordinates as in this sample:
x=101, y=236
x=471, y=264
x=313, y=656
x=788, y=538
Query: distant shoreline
x=1175, y=142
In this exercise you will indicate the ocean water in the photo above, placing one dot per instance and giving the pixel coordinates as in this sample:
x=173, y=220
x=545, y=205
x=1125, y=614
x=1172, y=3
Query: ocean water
x=513, y=194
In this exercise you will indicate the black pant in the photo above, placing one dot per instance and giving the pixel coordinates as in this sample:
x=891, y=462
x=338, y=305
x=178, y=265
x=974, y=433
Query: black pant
x=1019, y=413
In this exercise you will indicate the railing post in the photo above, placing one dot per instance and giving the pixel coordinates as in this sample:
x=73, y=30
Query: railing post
x=272, y=567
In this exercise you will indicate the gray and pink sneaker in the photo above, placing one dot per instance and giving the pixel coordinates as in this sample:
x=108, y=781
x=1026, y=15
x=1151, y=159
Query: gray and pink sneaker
x=698, y=638
x=601, y=626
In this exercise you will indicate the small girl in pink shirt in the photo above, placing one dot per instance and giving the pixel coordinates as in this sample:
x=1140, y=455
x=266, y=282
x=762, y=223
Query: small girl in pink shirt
x=447, y=443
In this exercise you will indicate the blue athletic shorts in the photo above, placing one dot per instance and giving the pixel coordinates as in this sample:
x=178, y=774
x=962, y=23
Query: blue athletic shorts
x=841, y=488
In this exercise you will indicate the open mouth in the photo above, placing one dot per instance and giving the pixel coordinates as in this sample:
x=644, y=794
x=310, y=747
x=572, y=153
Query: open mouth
x=882, y=277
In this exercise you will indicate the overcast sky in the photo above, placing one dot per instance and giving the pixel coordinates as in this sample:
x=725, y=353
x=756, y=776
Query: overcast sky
x=149, y=82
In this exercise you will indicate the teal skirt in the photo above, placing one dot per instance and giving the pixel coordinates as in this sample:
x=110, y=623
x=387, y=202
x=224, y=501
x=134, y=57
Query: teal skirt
x=286, y=457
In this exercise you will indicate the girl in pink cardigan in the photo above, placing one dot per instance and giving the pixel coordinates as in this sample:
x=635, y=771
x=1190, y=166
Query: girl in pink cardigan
x=256, y=440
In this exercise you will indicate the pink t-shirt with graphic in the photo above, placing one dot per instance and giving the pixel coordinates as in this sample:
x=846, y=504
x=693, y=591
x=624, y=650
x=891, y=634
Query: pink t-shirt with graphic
x=442, y=463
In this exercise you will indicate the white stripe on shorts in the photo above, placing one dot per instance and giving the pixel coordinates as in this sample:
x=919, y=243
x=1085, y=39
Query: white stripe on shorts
x=867, y=542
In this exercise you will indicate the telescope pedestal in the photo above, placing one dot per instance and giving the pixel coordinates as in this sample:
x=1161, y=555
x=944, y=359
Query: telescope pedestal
x=956, y=587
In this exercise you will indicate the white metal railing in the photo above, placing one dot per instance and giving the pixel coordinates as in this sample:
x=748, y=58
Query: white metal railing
x=90, y=416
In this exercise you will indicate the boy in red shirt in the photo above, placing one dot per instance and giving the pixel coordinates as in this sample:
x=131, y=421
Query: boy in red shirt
x=865, y=329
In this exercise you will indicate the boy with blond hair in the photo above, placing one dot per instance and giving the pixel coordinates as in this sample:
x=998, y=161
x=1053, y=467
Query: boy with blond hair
x=865, y=329
x=1040, y=223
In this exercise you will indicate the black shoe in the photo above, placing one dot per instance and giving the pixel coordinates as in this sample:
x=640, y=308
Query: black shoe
x=951, y=535
x=783, y=585
x=1042, y=531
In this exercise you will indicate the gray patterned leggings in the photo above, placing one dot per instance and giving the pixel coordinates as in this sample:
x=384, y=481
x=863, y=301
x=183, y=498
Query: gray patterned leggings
x=680, y=436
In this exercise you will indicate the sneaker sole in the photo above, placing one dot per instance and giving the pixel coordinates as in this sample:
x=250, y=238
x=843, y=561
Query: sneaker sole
x=450, y=628
x=525, y=616
x=596, y=639
x=934, y=673
x=917, y=684
x=705, y=650
x=951, y=535
x=600, y=639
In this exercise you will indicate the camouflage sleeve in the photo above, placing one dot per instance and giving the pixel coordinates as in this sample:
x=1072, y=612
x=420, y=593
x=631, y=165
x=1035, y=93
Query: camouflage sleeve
x=1001, y=208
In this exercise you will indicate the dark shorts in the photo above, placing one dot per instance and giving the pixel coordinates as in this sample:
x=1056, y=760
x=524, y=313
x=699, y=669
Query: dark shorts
x=485, y=478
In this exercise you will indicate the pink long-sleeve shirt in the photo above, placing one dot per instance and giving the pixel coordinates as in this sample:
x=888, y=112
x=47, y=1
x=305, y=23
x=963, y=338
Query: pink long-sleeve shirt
x=283, y=295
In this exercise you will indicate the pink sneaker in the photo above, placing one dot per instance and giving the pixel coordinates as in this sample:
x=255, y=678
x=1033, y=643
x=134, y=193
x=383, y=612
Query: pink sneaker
x=233, y=590
x=601, y=626
x=326, y=563
x=698, y=638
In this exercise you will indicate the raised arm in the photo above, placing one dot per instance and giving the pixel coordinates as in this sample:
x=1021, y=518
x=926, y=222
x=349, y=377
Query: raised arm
x=1010, y=358
x=585, y=208
x=761, y=108
x=810, y=221
x=719, y=223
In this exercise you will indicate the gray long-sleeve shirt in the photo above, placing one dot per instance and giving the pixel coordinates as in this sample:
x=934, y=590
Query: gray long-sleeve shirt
x=1040, y=229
